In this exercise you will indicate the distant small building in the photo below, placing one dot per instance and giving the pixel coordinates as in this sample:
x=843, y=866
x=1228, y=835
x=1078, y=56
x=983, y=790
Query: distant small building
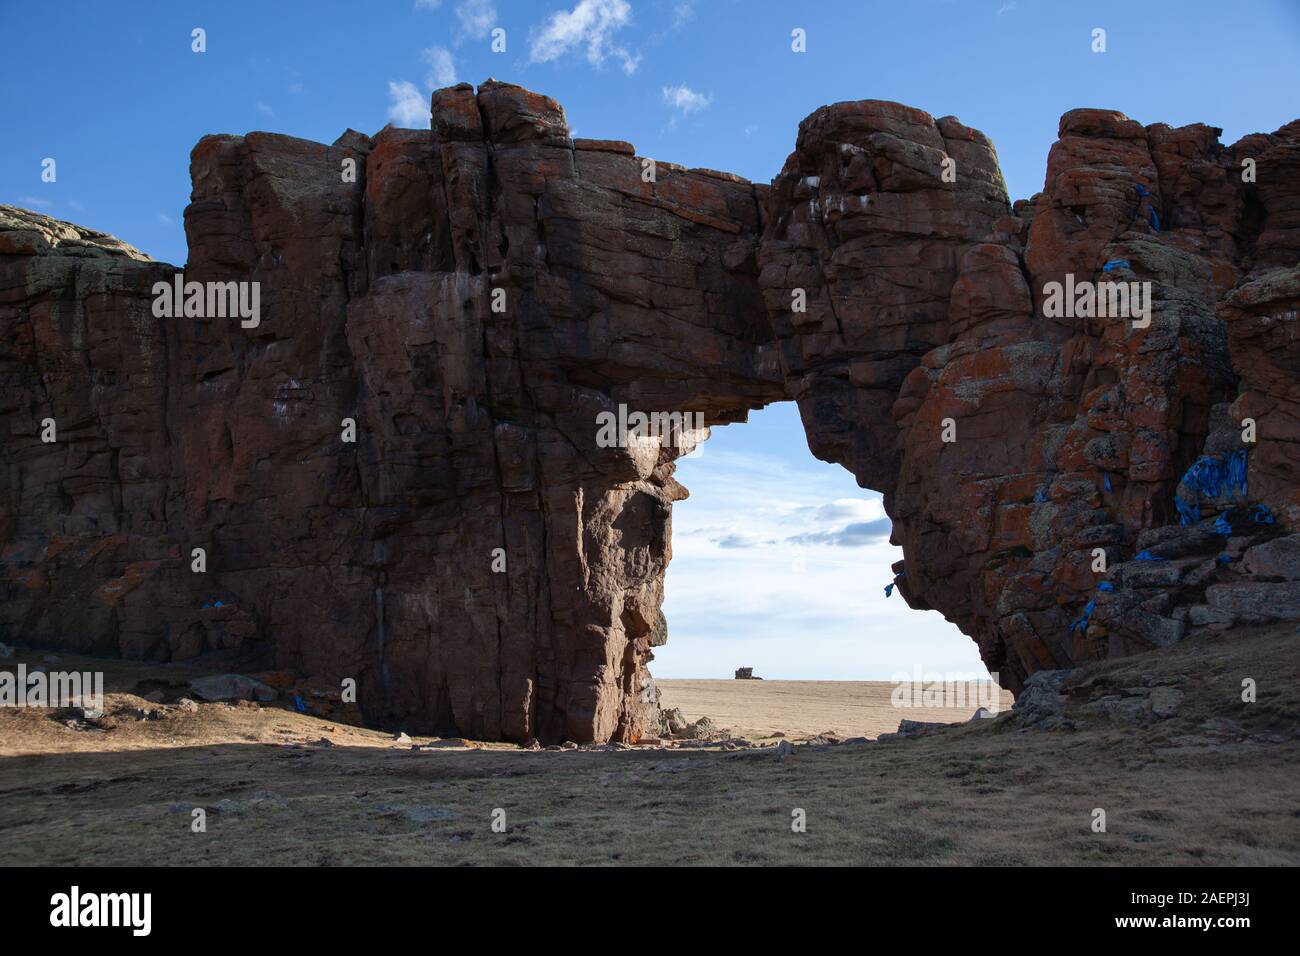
x=746, y=673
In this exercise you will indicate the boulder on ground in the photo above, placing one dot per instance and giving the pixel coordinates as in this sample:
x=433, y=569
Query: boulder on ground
x=87, y=707
x=1041, y=698
x=231, y=687
x=674, y=721
x=702, y=729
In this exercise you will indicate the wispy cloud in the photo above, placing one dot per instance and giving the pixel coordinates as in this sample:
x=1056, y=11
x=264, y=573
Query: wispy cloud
x=35, y=202
x=590, y=26
x=734, y=540
x=856, y=535
x=264, y=109
x=477, y=17
x=686, y=100
x=841, y=509
x=1006, y=7
x=683, y=13
x=165, y=219
x=406, y=104
x=427, y=4
x=442, y=67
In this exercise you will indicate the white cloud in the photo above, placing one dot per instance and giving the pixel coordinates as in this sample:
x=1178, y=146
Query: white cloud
x=407, y=105
x=683, y=13
x=263, y=108
x=427, y=4
x=685, y=99
x=476, y=17
x=841, y=509
x=1006, y=8
x=73, y=204
x=590, y=25
x=442, y=68
x=165, y=219
x=856, y=535
x=35, y=202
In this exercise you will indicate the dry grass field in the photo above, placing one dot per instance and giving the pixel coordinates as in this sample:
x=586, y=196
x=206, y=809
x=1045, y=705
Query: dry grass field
x=1217, y=781
x=805, y=708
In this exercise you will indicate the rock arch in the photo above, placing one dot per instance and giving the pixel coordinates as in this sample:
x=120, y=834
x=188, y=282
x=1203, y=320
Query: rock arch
x=476, y=428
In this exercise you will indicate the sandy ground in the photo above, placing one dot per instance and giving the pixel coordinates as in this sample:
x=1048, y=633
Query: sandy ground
x=1217, y=782
x=804, y=708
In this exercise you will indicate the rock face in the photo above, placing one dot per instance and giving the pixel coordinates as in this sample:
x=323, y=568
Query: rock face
x=398, y=474
x=476, y=560
x=1072, y=434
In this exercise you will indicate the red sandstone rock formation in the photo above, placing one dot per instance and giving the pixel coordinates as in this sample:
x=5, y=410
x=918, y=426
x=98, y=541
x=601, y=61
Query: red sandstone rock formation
x=476, y=437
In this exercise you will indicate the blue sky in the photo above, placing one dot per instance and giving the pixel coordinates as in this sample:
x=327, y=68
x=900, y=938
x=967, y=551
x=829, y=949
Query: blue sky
x=114, y=93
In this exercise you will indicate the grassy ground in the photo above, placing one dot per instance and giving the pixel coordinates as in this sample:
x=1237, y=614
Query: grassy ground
x=805, y=708
x=1218, y=782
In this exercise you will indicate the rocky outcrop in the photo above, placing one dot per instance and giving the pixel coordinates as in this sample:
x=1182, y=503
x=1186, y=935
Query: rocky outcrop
x=477, y=558
x=398, y=475
x=1071, y=435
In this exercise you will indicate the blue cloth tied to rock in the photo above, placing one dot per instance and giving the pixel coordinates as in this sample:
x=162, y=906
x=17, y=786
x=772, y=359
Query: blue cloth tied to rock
x=1209, y=477
x=1115, y=264
x=1262, y=515
x=1143, y=194
x=889, y=588
x=1082, y=623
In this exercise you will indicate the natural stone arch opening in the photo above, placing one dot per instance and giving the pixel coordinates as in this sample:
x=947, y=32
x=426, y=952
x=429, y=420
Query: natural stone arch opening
x=779, y=563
